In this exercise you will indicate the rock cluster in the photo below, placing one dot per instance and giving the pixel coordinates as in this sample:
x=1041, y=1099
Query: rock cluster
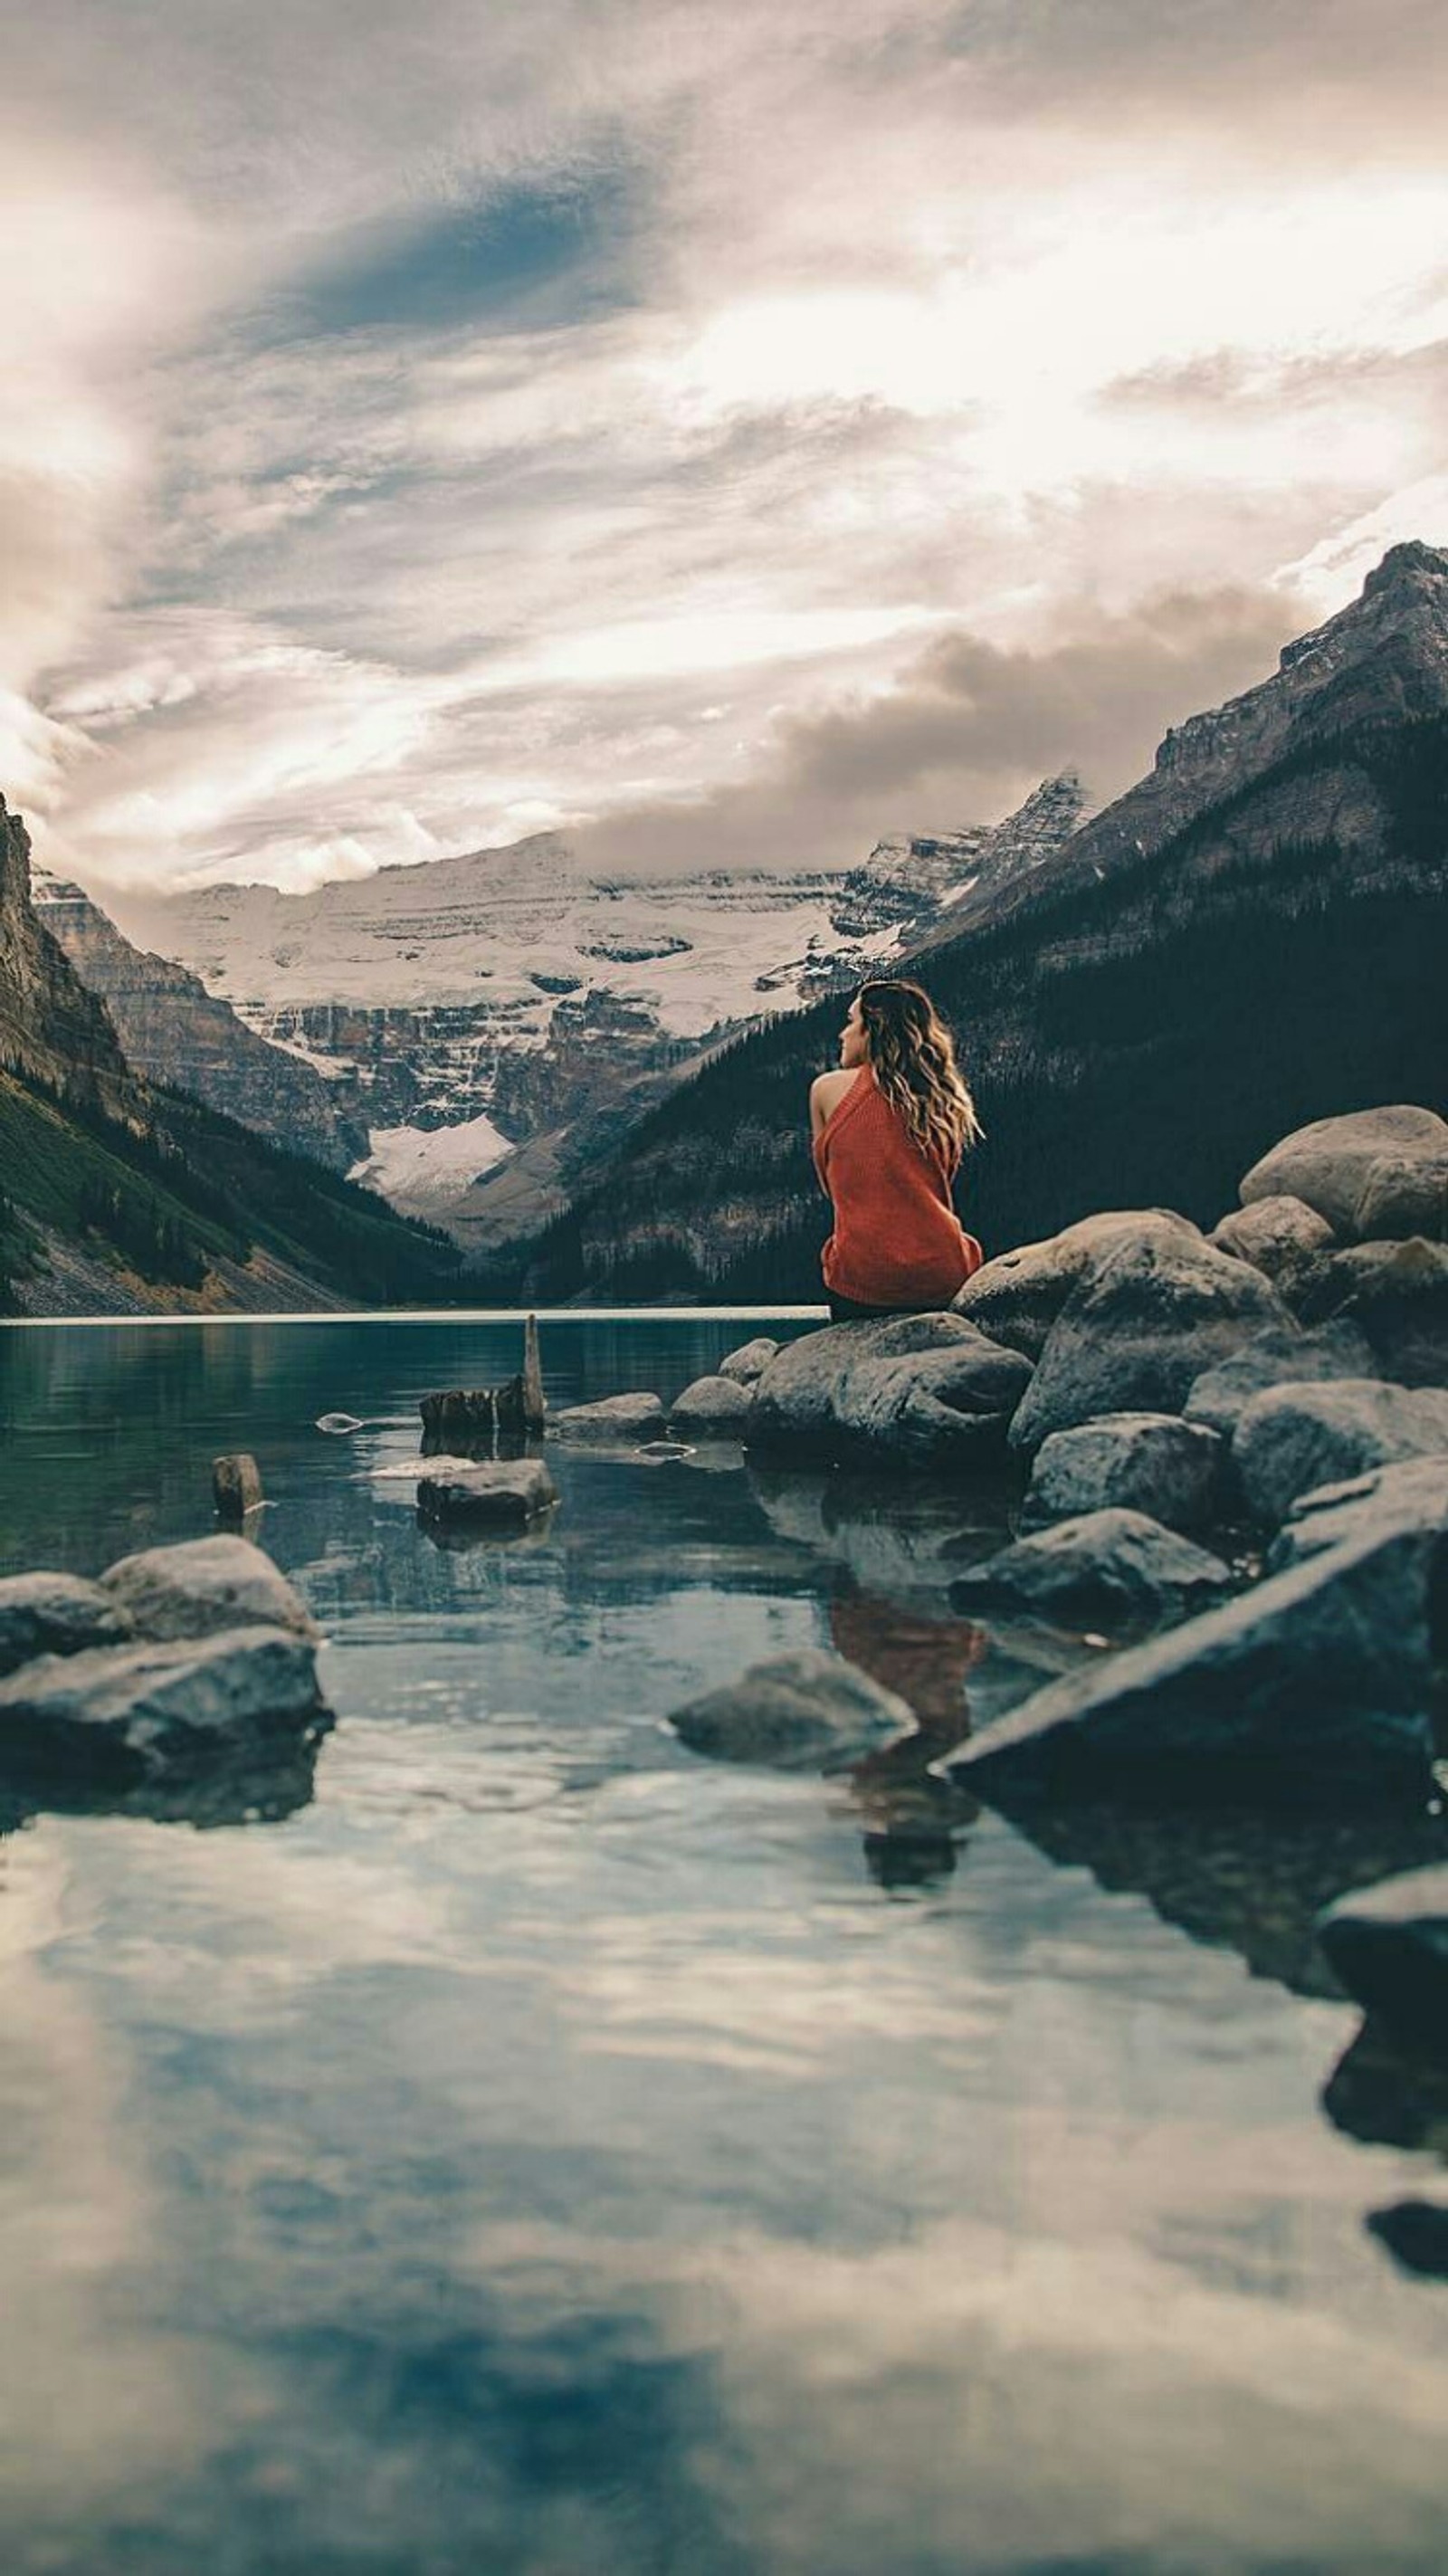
x=182, y=1668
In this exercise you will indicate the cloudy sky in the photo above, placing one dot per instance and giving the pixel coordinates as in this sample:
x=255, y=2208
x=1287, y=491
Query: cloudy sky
x=726, y=428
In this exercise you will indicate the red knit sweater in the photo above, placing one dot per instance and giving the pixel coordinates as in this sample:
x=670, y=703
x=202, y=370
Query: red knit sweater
x=897, y=1239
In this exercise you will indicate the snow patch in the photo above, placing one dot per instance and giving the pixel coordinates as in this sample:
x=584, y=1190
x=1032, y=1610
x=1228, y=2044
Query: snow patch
x=431, y=1164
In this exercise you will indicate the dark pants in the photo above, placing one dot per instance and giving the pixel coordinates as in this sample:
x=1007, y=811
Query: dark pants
x=843, y=1310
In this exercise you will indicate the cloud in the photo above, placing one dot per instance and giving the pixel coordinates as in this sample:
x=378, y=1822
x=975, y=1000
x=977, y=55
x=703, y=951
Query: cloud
x=503, y=389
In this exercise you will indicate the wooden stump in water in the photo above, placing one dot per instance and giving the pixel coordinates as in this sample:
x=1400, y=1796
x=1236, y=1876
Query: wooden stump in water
x=235, y=1486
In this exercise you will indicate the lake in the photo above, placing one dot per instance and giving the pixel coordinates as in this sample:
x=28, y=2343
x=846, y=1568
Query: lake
x=525, y=2146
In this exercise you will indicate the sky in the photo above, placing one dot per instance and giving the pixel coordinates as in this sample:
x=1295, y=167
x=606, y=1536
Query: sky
x=720, y=430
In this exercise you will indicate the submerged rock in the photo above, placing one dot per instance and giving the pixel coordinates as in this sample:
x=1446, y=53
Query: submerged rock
x=924, y=1388
x=1140, y=1330
x=121, y=1713
x=1142, y=1462
x=1104, y=1565
x=1372, y=1173
x=57, y=1614
x=748, y=1364
x=1292, y=1439
x=801, y=1709
x=506, y=1493
x=615, y=1417
x=206, y=1584
x=1397, y=1294
x=712, y=1404
x=1280, y=1356
x=1017, y=1297
x=1315, y=1684
x=1277, y=1235
x=1389, y=1946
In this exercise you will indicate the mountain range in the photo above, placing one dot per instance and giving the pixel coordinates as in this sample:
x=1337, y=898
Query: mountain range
x=1251, y=937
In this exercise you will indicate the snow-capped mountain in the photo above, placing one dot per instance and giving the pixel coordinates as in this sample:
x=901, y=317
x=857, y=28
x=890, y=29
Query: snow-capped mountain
x=483, y=1000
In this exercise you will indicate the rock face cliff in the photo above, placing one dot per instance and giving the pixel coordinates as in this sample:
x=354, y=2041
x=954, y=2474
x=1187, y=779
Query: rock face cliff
x=51, y=1026
x=1250, y=939
x=176, y=1032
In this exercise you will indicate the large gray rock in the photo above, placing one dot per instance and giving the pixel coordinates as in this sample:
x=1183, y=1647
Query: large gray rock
x=717, y=1405
x=1389, y=1946
x=120, y=1713
x=1315, y=1684
x=1276, y=1235
x=1405, y=1195
x=1141, y=1462
x=56, y=1614
x=614, y=1417
x=205, y=1584
x=1292, y=1439
x=928, y=1389
x=497, y=1492
x=1414, y=1494
x=805, y=1709
x=748, y=1364
x=1138, y=1332
x=1276, y=1357
x=1105, y=1566
x=1397, y=1295
x=1017, y=1297
x=1373, y=1163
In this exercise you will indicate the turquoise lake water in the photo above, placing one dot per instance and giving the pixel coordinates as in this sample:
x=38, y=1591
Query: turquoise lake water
x=528, y=2147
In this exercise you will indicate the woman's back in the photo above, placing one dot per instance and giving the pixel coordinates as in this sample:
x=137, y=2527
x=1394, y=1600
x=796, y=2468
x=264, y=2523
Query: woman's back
x=897, y=1240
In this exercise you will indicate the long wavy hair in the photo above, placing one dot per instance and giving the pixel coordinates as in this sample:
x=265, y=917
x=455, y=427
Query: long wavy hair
x=912, y=1057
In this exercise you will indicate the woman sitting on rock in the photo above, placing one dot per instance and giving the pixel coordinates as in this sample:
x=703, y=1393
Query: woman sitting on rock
x=889, y=1130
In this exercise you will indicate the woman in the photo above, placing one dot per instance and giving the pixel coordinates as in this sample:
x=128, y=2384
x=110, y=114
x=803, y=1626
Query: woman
x=889, y=1130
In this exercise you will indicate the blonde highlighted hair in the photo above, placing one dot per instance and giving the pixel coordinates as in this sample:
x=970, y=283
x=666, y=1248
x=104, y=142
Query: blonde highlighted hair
x=912, y=1057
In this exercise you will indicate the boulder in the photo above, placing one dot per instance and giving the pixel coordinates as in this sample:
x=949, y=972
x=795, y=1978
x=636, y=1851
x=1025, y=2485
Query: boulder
x=1142, y=1462
x=748, y=1364
x=614, y=1417
x=720, y=1405
x=1276, y=1235
x=1371, y=1163
x=923, y=1389
x=1276, y=1357
x=459, y=1421
x=505, y=1493
x=1017, y=1297
x=56, y=1614
x=1413, y=1494
x=800, y=1710
x=1291, y=1439
x=1397, y=1295
x=1404, y=1195
x=1106, y=1565
x=1138, y=1332
x=1314, y=1685
x=1389, y=1946
x=235, y=1486
x=206, y=1584
x=121, y=1713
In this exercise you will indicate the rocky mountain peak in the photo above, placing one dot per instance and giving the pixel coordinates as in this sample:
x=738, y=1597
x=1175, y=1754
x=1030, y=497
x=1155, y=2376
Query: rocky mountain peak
x=49, y=1024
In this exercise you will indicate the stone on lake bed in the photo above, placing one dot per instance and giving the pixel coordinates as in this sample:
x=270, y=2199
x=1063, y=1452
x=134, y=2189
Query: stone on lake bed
x=718, y=1404
x=1104, y=1565
x=506, y=1492
x=748, y=1364
x=203, y=1584
x=1316, y=1683
x=126, y=1712
x=1144, y=1462
x=802, y=1709
x=1389, y=1946
x=1291, y=1439
x=57, y=1614
x=614, y=1417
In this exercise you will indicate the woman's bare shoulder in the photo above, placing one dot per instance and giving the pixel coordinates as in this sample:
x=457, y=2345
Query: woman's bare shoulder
x=830, y=1086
